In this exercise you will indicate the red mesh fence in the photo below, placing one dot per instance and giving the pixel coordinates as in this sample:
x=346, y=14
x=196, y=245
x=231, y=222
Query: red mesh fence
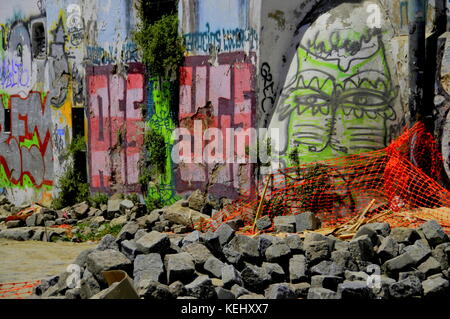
x=19, y=290
x=403, y=180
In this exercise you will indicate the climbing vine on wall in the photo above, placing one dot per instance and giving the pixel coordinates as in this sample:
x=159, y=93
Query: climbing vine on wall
x=162, y=52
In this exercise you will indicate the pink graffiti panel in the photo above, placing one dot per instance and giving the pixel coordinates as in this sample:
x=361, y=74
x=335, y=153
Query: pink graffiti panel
x=220, y=96
x=115, y=128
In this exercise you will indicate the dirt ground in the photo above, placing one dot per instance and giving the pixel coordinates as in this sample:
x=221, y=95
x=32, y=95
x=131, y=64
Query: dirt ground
x=29, y=261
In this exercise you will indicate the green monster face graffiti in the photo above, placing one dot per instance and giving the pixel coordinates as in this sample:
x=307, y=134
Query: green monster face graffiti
x=340, y=100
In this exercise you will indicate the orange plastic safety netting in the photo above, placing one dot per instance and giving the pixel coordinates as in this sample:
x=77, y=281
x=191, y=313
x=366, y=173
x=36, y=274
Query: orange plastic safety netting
x=19, y=290
x=402, y=182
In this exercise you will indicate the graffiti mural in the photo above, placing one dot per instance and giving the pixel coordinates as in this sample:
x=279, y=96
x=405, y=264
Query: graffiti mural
x=115, y=127
x=161, y=120
x=58, y=65
x=16, y=60
x=220, y=97
x=26, y=156
x=339, y=95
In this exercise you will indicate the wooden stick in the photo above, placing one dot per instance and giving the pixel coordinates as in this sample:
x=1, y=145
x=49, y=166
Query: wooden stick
x=258, y=211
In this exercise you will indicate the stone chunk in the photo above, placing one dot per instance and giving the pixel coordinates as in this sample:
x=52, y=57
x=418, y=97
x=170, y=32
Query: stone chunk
x=191, y=238
x=382, y=229
x=264, y=223
x=435, y=286
x=129, y=249
x=81, y=210
x=275, y=271
x=388, y=249
x=225, y=233
x=278, y=252
x=89, y=286
x=239, y=291
x=249, y=247
x=197, y=200
x=128, y=231
x=230, y=277
x=297, y=269
x=126, y=204
x=280, y=291
x=185, y=216
x=153, y=242
x=13, y=224
x=355, y=290
x=284, y=224
x=99, y=261
x=442, y=255
x=327, y=268
x=199, y=253
x=369, y=232
x=301, y=289
x=430, y=267
x=306, y=221
x=153, y=290
x=418, y=252
x=356, y=275
x=344, y=259
x=328, y=282
x=406, y=288
x=201, y=288
x=322, y=293
x=224, y=294
x=113, y=206
x=232, y=255
x=434, y=233
x=212, y=242
x=148, y=267
x=404, y=235
x=255, y=278
x=177, y=289
x=401, y=263
x=316, y=251
x=213, y=266
x=362, y=250
x=295, y=243
x=179, y=267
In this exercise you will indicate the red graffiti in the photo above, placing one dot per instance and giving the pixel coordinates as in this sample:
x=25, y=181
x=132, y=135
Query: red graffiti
x=26, y=145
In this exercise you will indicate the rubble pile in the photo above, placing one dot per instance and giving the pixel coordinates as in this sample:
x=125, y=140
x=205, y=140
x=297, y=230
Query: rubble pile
x=44, y=224
x=378, y=263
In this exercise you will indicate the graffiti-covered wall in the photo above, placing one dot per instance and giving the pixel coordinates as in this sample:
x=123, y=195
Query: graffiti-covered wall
x=331, y=77
x=53, y=54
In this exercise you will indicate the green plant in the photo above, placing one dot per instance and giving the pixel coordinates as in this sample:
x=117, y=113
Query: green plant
x=153, y=203
x=160, y=43
x=98, y=199
x=154, y=162
x=133, y=197
x=96, y=236
x=73, y=189
x=72, y=186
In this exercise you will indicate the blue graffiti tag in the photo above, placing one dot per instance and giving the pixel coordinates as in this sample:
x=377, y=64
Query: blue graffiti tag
x=13, y=74
x=221, y=40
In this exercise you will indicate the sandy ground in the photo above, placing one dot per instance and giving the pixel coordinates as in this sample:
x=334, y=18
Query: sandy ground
x=30, y=261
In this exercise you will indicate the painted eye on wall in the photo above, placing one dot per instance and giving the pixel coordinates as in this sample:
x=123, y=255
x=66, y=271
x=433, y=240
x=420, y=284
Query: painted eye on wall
x=365, y=100
x=312, y=99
